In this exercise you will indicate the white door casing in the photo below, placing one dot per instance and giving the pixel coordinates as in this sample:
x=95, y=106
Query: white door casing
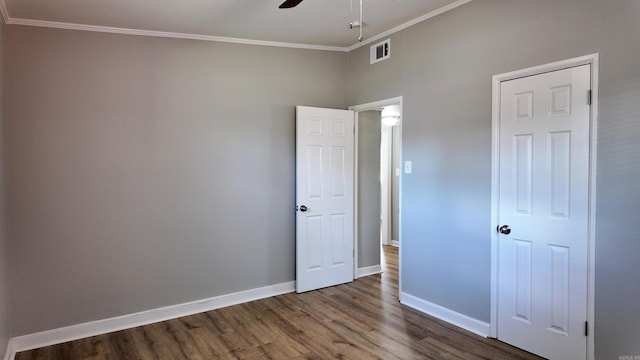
x=385, y=185
x=544, y=168
x=324, y=197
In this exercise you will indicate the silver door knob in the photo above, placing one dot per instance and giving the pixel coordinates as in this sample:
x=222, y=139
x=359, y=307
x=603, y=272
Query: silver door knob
x=303, y=208
x=504, y=229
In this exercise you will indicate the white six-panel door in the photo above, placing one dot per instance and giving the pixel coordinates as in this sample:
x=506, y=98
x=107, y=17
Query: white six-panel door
x=324, y=197
x=544, y=201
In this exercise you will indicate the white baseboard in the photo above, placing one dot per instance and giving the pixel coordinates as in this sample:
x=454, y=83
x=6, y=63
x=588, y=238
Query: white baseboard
x=10, y=354
x=468, y=323
x=369, y=270
x=395, y=243
x=99, y=327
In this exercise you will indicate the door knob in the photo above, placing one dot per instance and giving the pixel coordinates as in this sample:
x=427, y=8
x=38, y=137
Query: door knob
x=303, y=208
x=504, y=229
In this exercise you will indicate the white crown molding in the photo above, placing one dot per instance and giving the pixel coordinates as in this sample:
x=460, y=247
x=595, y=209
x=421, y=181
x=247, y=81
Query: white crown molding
x=115, y=30
x=99, y=327
x=166, y=34
x=408, y=24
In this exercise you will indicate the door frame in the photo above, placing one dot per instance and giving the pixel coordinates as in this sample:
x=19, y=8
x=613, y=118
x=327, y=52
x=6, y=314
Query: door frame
x=593, y=60
x=376, y=105
x=386, y=167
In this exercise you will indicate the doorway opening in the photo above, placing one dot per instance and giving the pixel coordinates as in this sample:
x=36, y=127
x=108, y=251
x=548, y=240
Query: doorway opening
x=377, y=177
x=390, y=175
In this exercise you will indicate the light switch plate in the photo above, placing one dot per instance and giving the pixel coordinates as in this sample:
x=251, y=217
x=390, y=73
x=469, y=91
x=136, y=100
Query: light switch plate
x=407, y=167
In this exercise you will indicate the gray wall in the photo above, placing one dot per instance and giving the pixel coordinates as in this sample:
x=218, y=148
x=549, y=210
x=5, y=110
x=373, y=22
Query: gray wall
x=4, y=294
x=147, y=172
x=369, y=190
x=443, y=68
x=136, y=163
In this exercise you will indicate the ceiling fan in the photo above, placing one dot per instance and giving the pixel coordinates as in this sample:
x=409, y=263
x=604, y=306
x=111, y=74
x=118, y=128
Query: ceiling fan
x=289, y=4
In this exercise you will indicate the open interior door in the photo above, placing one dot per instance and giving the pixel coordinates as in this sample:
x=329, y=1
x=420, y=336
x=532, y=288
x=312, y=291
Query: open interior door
x=324, y=197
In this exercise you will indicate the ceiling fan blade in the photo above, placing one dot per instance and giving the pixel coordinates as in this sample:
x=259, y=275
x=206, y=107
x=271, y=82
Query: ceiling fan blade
x=289, y=4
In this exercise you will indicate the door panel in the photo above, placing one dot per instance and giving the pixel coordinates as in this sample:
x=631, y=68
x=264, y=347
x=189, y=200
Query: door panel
x=543, y=197
x=324, y=186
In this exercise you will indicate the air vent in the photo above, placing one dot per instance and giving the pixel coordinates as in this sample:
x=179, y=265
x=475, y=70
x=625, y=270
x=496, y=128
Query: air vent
x=381, y=51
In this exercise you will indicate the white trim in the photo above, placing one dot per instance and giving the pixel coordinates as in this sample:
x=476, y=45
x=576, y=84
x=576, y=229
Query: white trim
x=535, y=70
x=4, y=11
x=115, y=30
x=409, y=24
x=99, y=327
x=386, y=140
x=378, y=104
x=10, y=354
x=395, y=243
x=591, y=271
x=495, y=189
x=460, y=320
x=356, y=197
x=369, y=270
x=400, y=178
x=166, y=34
x=593, y=60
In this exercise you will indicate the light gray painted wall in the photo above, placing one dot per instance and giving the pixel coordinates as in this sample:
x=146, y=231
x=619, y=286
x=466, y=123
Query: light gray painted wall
x=369, y=137
x=5, y=333
x=443, y=68
x=124, y=196
x=147, y=172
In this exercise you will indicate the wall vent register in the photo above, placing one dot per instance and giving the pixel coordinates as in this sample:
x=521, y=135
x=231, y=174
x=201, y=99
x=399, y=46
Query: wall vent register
x=381, y=51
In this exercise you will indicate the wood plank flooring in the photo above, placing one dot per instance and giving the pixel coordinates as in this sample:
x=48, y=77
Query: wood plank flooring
x=361, y=320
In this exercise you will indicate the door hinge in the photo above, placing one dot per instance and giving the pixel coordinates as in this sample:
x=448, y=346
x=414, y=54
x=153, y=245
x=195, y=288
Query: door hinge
x=586, y=328
x=589, y=97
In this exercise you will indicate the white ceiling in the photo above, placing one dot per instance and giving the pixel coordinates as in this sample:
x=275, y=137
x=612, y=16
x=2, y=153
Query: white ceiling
x=313, y=23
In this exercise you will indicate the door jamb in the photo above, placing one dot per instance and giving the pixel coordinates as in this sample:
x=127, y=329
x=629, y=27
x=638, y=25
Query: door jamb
x=356, y=109
x=593, y=60
x=386, y=167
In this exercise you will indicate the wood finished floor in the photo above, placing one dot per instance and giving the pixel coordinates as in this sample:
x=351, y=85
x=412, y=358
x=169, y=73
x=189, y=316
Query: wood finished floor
x=361, y=320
